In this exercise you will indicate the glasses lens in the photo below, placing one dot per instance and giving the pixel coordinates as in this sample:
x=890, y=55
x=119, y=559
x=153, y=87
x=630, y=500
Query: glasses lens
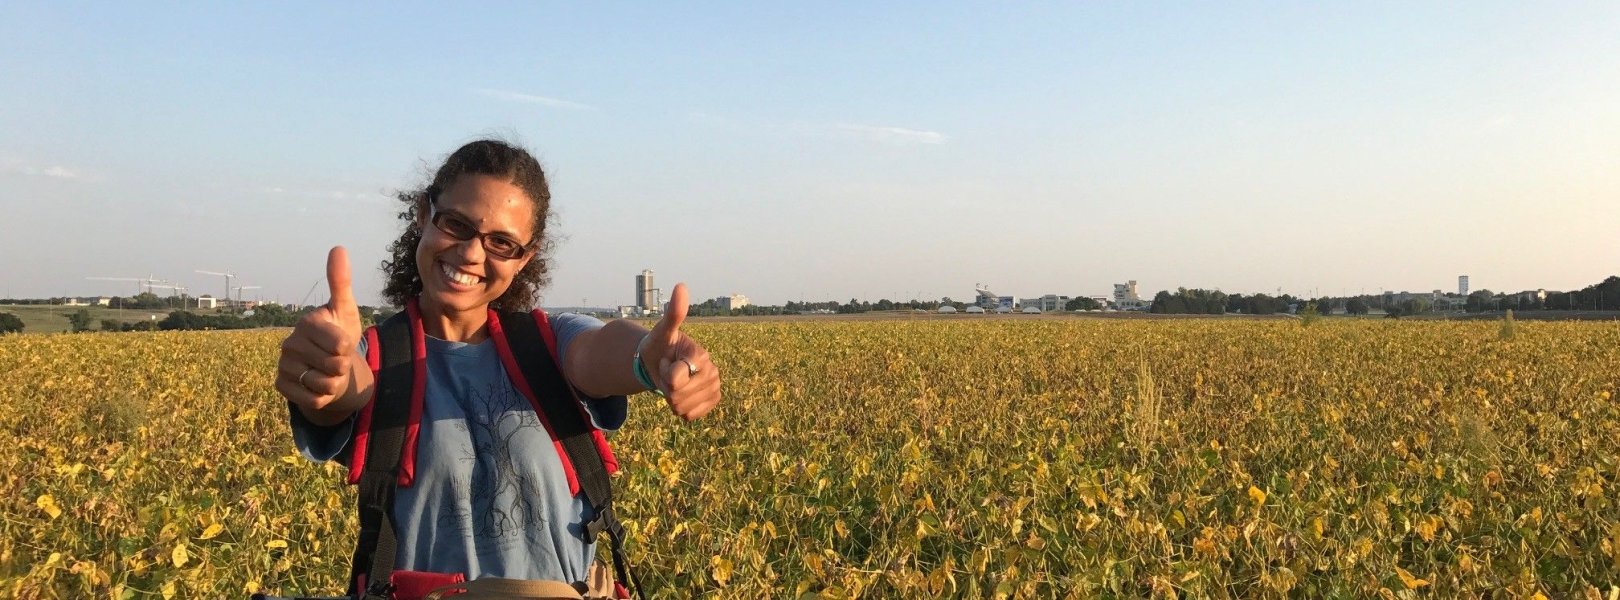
x=454, y=227
x=502, y=247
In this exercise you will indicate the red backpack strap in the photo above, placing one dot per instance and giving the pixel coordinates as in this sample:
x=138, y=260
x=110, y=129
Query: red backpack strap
x=528, y=349
x=385, y=445
x=515, y=372
x=362, y=425
x=412, y=365
x=543, y=322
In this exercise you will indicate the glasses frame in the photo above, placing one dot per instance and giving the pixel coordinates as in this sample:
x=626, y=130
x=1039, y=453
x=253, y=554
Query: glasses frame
x=435, y=216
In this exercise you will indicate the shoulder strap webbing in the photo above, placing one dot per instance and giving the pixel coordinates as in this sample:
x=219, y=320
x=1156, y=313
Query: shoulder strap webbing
x=390, y=418
x=568, y=421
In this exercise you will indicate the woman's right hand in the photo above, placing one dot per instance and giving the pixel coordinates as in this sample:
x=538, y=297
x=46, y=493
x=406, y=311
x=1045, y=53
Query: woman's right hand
x=320, y=370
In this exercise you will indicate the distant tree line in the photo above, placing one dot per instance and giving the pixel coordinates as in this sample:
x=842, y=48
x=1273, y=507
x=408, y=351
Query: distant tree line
x=143, y=300
x=1600, y=296
x=1083, y=303
x=1185, y=301
x=1604, y=295
x=264, y=315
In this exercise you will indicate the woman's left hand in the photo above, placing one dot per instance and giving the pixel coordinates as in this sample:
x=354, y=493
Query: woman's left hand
x=679, y=365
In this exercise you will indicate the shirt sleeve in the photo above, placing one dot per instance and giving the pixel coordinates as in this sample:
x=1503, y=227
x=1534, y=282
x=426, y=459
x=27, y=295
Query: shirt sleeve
x=321, y=443
x=607, y=414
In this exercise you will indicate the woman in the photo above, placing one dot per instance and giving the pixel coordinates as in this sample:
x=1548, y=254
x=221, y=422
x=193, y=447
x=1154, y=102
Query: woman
x=489, y=496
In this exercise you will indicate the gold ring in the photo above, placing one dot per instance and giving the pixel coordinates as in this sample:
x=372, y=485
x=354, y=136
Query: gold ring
x=301, y=378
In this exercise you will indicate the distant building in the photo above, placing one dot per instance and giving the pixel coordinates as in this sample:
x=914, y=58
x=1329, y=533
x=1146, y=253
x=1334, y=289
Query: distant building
x=1047, y=303
x=1462, y=285
x=646, y=292
x=984, y=298
x=207, y=301
x=732, y=302
x=1125, y=296
x=103, y=301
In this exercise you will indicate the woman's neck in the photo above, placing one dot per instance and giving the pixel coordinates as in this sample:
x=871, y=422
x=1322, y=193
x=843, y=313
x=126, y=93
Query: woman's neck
x=455, y=326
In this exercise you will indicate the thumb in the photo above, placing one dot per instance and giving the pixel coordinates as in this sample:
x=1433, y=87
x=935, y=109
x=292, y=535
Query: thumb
x=668, y=329
x=341, y=303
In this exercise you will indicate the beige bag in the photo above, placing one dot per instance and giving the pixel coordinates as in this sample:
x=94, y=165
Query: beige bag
x=598, y=586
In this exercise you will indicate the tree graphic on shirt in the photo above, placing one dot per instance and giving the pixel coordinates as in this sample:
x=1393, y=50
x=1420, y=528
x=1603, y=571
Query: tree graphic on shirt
x=506, y=499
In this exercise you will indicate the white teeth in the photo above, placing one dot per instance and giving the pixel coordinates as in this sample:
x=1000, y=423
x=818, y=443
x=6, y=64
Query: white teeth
x=458, y=276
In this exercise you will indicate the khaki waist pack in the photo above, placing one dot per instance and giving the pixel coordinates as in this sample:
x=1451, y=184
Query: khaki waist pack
x=598, y=587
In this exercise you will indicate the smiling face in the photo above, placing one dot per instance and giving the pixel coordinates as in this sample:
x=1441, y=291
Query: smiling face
x=461, y=275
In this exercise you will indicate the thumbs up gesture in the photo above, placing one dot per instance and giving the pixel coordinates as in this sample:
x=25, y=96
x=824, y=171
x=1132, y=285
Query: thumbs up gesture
x=679, y=366
x=320, y=370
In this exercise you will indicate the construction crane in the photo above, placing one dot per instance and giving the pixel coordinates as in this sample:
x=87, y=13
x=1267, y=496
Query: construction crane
x=227, y=276
x=147, y=282
x=137, y=281
x=305, y=301
x=239, y=291
x=176, y=290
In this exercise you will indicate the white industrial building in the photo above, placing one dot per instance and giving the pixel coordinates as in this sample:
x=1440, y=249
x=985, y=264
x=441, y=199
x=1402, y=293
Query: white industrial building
x=1047, y=303
x=1125, y=296
x=732, y=302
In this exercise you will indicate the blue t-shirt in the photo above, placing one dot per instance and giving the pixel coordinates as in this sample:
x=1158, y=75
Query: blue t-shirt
x=490, y=497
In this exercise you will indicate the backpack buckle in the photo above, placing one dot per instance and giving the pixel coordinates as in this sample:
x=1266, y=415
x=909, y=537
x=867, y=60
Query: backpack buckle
x=379, y=590
x=602, y=521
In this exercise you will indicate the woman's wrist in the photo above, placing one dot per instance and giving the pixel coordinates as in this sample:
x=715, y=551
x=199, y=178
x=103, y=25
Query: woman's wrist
x=639, y=367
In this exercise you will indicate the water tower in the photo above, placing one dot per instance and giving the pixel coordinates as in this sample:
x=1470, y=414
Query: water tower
x=646, y=292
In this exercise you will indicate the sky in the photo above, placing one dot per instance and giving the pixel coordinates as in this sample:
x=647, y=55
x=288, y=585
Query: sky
x=825, y=151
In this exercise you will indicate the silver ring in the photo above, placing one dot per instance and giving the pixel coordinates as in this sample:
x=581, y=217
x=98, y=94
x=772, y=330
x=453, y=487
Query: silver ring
x=691, y=369
x=301, y=378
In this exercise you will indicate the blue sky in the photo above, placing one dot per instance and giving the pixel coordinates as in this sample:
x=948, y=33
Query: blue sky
x=827, y=151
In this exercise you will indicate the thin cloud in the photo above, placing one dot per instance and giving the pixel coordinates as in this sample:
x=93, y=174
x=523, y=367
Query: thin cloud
x=897, y=136
x=892, y=135
x=320, y=194
x=532, y=99
x=54, y=171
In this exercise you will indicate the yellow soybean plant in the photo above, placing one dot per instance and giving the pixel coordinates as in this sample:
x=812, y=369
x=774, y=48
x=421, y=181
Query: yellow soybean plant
x=1038, y=457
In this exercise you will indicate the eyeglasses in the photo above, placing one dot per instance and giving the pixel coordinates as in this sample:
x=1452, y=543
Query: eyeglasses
x=496, y=244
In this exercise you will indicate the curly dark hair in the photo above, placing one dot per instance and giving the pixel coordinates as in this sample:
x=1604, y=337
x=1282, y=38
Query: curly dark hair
x=483, y=157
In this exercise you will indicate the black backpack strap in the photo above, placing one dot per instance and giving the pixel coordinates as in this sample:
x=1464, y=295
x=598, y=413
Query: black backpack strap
x=375, y=551
x=559, y=401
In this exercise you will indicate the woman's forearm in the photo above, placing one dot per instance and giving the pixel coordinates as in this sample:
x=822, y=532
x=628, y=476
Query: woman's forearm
x=599, y=361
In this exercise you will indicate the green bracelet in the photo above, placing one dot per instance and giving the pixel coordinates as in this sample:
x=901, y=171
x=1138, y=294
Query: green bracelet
x=640, y=368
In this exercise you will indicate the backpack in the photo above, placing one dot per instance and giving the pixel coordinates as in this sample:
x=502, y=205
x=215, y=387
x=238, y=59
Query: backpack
x=384, y=443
